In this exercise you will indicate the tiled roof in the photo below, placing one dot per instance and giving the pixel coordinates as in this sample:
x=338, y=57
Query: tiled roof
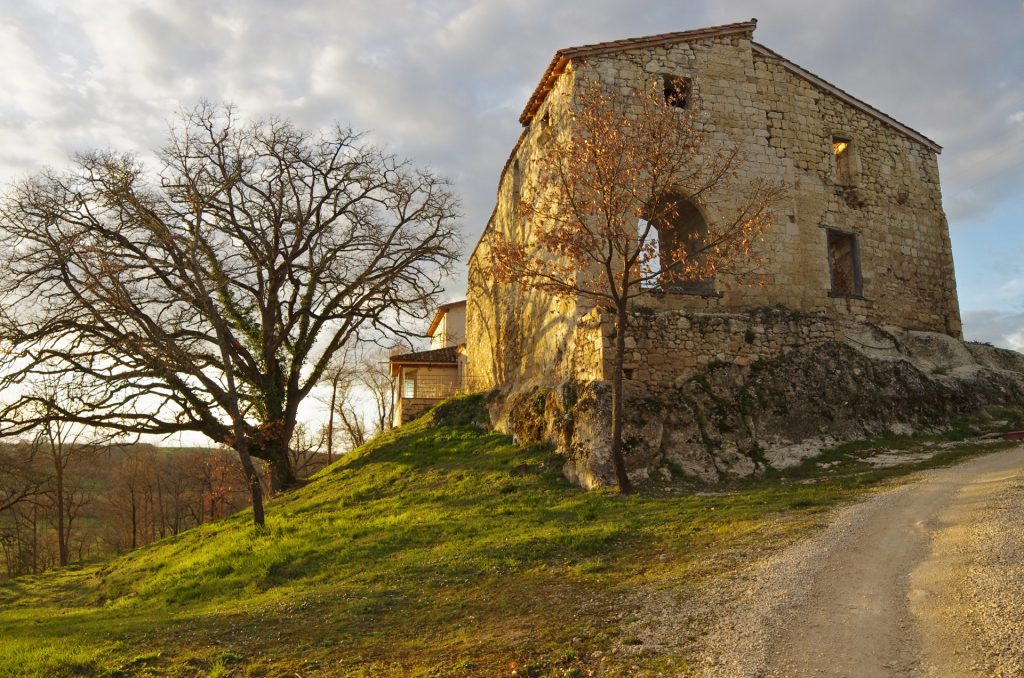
x=563, y=56
x=448, y=354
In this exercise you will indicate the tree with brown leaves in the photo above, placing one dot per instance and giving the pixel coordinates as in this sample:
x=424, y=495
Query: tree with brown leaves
x=211, y=296
x=619, y=170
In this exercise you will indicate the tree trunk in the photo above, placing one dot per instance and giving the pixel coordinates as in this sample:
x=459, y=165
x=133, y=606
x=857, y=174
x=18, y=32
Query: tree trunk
x=330, y=421
x=256, y=492
x=35, y=539
x=255, y=489
x=617, y=360
x=135, y=520
x=62, y=541
x=282, y=475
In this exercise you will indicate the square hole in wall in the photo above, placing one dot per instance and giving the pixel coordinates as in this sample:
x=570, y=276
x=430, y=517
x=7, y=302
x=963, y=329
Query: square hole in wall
x=677, y=90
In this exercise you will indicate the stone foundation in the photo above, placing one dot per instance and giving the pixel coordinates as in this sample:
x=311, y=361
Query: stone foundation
x=779, y=387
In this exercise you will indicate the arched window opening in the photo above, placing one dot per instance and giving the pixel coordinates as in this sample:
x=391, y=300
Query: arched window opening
x=682, y=235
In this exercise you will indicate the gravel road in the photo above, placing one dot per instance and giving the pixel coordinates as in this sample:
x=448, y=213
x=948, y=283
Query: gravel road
x=923, y=580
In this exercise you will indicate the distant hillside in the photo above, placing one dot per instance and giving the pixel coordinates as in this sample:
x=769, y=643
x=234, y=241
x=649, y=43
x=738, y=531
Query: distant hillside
x=439, y=549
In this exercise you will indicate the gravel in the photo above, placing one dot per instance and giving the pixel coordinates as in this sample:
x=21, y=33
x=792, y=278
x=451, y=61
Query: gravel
x=976, y=603
x=924, y=579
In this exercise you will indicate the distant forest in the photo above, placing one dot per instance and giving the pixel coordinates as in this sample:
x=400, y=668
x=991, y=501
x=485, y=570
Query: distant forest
x=87, y=501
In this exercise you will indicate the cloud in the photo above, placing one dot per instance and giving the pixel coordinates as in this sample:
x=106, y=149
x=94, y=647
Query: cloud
x=444, y=81
x=999, y=328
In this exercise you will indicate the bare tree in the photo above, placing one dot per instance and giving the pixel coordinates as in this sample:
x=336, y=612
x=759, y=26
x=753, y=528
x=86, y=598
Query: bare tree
x=339, y=377
x=67, y=446
x=360, y=401
x=353, y=424
x=378, y=382
x=23, y=483
x=19, y=476
x=623, y=162
x=213, y=298
x=307, y=450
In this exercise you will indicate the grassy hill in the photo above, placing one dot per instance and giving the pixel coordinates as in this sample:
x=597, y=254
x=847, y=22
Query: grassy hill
x=438, y=549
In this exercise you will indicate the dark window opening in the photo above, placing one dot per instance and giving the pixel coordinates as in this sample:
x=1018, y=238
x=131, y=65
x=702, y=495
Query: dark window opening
x=678, y=235
x=544, y=132
x=843, y=154
x=844, y=264
x=627, y=372
x=677, y=90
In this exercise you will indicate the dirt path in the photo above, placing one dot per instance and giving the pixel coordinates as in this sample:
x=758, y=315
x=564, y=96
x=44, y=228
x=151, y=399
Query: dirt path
x=925, y=580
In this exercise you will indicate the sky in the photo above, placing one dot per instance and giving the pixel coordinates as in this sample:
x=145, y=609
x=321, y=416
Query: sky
x=443, y=82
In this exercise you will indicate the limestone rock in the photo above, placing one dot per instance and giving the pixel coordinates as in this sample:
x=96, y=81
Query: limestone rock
x=734, y=420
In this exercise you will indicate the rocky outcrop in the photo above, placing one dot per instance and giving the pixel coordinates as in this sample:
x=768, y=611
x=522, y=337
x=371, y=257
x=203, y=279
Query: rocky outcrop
x=734, y=420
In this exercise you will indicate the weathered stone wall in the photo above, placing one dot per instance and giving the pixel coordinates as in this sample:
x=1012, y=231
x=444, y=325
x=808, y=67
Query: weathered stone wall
x=515, y=335
x=732, y=420
x=783, y=126
x=664, y=347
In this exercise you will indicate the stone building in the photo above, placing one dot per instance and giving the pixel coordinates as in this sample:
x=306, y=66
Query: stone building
x=425, y=378
x=861, y=237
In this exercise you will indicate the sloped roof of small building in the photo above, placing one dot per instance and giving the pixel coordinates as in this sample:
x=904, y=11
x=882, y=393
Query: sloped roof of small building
x=448, y=354
x=565, y=55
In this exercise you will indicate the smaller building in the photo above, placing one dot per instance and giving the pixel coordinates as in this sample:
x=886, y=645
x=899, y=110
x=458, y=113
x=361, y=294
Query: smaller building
x=448, y=328
x=425, y=378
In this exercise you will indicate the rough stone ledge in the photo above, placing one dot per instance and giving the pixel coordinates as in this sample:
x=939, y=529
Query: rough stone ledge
x=736, y=417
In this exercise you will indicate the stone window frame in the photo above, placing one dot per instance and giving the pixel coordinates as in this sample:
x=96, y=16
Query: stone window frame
x=544, y=132
x=858, y=273
x=850, y=159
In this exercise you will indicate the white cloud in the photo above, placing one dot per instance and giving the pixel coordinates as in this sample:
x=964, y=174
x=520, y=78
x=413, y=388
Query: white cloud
x=444, y=80
x=1000, y=328
x=1012, y=289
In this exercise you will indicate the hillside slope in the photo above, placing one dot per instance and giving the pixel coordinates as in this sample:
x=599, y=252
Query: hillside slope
x=438, y=549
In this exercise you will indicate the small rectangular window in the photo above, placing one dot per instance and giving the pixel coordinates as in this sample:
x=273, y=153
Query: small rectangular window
x=843, y=154
x=844, y=264
x=677, y=90
x=409, y=385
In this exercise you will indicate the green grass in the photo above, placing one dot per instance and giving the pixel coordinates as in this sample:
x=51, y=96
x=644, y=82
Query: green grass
x=439, y=549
